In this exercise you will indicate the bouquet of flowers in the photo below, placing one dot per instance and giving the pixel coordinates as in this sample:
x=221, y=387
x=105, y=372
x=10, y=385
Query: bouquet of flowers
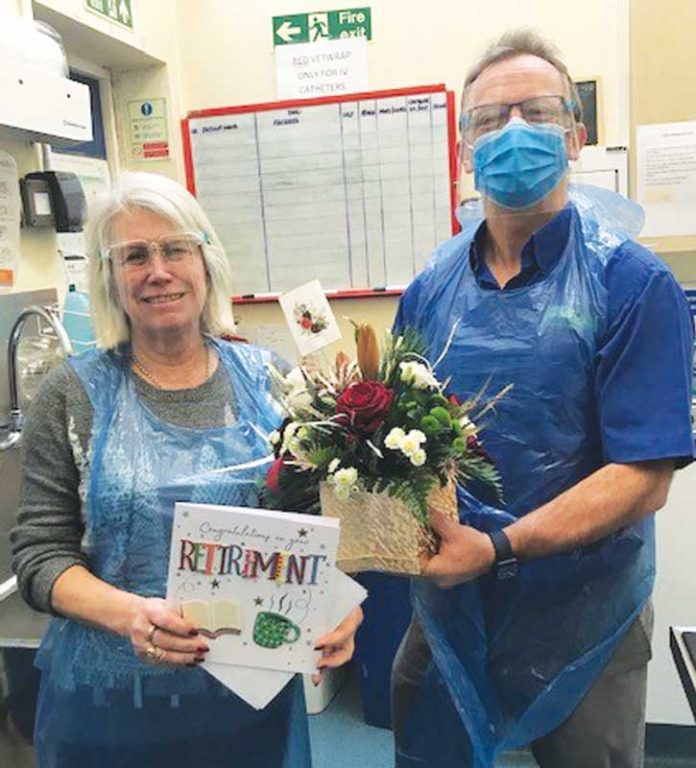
x=377, y=442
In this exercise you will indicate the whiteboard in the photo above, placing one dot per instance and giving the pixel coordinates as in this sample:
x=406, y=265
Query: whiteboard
x=356, y=191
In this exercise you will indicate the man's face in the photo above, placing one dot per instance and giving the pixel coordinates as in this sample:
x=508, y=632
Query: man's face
x=517, y=79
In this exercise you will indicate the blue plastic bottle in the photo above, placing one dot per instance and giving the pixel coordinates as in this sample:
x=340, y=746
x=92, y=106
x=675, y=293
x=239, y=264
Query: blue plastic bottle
x=77, y=320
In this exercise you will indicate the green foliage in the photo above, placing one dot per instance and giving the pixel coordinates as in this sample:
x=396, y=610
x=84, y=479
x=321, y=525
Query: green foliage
x=414, y=493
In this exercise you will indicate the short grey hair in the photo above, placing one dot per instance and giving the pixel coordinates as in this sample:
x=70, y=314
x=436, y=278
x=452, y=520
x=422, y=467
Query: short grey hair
x=522, y=42
x=166, y=198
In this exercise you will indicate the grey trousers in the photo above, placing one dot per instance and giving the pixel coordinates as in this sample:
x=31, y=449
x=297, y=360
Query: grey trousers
x=606, y=729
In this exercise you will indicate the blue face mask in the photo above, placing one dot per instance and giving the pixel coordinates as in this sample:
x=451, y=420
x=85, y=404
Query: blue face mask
x=520, y=164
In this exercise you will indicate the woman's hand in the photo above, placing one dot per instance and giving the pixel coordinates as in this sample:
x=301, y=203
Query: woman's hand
x=160, y=635
x=337, y=647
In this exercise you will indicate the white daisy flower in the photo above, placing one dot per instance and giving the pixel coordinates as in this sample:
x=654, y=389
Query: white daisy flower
x=418, y=436
x=409, y=445
x=394, y=438
x=418, y=457
x=346, y=478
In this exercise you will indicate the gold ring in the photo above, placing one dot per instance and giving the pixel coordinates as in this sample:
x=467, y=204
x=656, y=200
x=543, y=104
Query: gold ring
x=151, y=652
x=151, y=633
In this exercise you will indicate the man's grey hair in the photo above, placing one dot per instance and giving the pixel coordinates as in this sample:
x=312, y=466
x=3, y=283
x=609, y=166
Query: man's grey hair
x=168, y=199
x=522, y=42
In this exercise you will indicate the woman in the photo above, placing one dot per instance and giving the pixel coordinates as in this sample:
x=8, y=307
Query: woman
x=109, y=437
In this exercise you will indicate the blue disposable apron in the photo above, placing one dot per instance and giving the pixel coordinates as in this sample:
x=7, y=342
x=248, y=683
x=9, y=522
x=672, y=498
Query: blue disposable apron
x=513, y=658
x=99, y=704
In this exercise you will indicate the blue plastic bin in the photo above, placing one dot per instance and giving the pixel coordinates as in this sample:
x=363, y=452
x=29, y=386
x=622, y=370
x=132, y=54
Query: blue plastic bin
x=387, y=616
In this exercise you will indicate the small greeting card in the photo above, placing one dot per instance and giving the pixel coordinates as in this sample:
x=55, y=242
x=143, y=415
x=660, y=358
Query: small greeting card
x=312, y=323
x=258, y=584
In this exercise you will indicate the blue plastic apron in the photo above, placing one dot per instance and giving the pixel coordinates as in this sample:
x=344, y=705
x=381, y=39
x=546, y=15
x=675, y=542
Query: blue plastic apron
x=99, y=704
x=515, y=657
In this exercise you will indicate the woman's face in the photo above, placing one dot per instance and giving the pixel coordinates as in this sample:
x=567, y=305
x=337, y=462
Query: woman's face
x=160, y=293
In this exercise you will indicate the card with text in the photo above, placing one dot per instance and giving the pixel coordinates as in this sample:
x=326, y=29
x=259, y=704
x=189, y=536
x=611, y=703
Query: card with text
x=257, y=583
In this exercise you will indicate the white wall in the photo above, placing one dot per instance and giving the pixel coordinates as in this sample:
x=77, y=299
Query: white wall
x=226, y=58
x=227, y=52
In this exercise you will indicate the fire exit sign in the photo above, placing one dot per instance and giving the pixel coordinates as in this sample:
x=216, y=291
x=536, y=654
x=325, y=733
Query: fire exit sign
x=322, y=25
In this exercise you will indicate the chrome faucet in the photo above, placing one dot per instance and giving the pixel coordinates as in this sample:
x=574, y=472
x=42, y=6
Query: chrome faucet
x=16, y=419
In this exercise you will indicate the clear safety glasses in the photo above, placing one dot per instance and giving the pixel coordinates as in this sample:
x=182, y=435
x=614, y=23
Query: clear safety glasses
x=136, y=255
x=554, y=110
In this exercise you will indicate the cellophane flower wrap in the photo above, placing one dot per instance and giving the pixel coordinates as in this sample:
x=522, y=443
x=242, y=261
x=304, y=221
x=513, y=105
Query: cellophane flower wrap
x=377, y=443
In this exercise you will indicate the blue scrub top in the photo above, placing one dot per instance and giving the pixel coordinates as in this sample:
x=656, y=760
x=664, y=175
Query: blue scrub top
x=643, y=366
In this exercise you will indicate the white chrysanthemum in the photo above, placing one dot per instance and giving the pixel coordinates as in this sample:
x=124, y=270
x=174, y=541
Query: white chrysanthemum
x=296, y=389
x=412, y=442
x=346, y=478
x=289, y=434
x=418, y=457
x=418, y=436
x=333, y=465
x=274, y=437
x=417, y=374
x=394, y=438
x=409, y=445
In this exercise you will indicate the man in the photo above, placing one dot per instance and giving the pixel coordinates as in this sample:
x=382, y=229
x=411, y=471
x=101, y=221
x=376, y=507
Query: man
x=532, y=624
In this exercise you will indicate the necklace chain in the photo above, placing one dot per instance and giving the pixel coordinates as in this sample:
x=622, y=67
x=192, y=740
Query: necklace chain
x=153, y=379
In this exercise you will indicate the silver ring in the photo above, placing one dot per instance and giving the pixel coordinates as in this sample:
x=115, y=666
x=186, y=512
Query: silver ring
x=151, y=633
x=151, y=652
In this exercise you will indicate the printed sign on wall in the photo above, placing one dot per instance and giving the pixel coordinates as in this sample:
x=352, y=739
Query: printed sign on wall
x=322, y=25
x=149, y=135
x=114, y=10
x=9, y=220
x=332, y=68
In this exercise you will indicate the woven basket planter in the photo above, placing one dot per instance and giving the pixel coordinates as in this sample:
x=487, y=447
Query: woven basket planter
x=380, y=533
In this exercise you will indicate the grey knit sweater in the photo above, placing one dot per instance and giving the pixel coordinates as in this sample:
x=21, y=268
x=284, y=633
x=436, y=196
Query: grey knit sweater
x=48, y=535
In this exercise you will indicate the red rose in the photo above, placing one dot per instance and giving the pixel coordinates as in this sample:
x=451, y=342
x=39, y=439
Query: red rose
x=364, y=405
x=306, y=322
x=273, y=475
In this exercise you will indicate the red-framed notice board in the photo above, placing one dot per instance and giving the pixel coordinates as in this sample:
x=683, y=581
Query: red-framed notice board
x=354, y=190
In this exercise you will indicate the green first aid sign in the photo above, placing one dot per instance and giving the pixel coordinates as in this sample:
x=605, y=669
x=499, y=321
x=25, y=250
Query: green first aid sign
x=115, y=10
x=322, y=25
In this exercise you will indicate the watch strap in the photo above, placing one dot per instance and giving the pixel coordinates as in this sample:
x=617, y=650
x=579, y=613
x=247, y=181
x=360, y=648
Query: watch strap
x=505, y=560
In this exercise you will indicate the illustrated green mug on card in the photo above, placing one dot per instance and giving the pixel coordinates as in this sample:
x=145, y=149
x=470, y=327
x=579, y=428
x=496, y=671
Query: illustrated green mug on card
x=271, y=630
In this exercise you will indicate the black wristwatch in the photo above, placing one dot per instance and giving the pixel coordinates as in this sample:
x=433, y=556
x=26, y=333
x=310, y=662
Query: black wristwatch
x=505, y=566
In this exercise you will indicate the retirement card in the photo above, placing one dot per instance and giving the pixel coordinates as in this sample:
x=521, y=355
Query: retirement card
x=257, y=583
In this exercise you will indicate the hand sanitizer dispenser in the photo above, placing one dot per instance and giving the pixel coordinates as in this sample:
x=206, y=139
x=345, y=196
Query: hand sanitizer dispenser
x=77, y=320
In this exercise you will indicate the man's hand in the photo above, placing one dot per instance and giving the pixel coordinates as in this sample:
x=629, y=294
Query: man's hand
x=464, y=553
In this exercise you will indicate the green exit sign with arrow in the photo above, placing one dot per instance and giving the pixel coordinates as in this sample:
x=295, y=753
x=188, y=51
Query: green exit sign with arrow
x=322, y=25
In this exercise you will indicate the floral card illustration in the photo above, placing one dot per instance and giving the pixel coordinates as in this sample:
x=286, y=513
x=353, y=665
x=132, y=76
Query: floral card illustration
x=312, y=323
x=257, y=583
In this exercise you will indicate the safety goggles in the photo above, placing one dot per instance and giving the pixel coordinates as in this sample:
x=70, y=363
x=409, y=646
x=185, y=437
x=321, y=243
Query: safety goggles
x=478, y=121
x=136, y=255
